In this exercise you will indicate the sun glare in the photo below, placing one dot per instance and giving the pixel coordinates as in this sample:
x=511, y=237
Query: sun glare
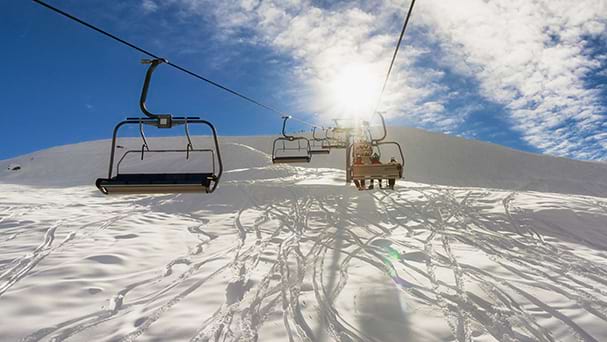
x=354, y=90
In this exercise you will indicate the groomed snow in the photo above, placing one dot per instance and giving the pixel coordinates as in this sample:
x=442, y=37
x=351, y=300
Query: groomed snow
x=478, y=242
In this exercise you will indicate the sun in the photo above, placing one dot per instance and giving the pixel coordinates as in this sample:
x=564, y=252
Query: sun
x=353, y=91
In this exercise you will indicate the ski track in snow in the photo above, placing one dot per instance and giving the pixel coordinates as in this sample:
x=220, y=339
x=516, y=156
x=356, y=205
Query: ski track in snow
x=286, y=262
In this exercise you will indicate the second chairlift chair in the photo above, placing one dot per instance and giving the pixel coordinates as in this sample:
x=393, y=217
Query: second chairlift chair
x=284, y=154
x=338, y=138
x=135, y=183
x=316, y=148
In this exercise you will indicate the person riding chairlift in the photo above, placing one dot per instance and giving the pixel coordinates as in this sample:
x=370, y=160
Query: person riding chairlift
x=392, y=181
x=375, y=160
x=362, y=153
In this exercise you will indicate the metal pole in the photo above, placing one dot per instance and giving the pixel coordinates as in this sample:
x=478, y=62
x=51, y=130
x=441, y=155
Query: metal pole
x=348, y=157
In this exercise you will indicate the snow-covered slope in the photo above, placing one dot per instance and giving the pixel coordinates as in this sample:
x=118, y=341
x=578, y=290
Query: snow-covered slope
x=430, y=158
x=470, y=246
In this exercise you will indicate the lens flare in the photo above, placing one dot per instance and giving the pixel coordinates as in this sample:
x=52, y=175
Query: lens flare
x=353, y=91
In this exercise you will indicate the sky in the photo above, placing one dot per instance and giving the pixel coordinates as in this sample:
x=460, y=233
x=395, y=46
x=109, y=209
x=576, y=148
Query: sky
x=530, y=75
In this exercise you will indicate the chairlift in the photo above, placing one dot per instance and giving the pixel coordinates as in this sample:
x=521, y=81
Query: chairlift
x=140, y=183
x=317, y=145
x=337, y=140
x=370, y=171
x=284, y=152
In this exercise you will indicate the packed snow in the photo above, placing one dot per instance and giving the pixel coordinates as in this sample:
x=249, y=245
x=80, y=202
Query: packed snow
x=476, y=243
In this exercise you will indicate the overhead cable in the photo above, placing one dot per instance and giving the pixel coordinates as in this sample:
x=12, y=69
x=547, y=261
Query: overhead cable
x=400, y=38
x=180, y=68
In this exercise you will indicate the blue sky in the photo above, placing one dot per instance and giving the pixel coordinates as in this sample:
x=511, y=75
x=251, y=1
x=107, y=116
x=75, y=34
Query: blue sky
x=528, y=75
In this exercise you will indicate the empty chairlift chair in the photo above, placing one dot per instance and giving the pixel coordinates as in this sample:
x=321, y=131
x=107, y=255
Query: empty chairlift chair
x=284, y=149
x=179, y=182
x=317, y=146
x=337, y=140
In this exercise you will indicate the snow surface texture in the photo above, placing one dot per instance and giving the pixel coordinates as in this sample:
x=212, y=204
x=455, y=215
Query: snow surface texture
x=510, y=246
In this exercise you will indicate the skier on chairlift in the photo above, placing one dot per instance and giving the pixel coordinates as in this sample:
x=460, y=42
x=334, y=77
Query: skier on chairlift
x=375, y=160
x=362, y=156
x=392, y=181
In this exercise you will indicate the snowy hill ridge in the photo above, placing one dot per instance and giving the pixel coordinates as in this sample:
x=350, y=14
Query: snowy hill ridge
x=289, y=253
x=431, y=158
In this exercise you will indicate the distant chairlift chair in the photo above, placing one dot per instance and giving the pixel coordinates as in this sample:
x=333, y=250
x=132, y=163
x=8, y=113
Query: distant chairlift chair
x=136, y=183
x=376, y=171
x=284, y=152
x=318, y=144
x=337, y=140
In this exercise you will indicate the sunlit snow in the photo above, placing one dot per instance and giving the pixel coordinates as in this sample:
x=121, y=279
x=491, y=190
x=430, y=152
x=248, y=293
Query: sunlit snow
x=478, y=242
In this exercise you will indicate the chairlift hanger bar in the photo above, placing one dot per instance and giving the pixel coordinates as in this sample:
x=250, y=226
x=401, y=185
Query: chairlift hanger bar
x=191, y=73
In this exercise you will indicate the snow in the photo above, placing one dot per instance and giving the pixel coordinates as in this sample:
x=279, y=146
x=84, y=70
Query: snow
x=478, y=242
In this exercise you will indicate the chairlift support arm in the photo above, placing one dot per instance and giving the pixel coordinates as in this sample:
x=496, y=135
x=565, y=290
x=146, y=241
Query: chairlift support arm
x=284, y=128
x=383, y=124
x=164, y=120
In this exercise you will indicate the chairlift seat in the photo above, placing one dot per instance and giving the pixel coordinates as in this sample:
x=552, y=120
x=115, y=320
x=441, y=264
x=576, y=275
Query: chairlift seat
x=320, y=151
x=376, y=171
x=334, y=144
x=137, y=183
x=291, y=159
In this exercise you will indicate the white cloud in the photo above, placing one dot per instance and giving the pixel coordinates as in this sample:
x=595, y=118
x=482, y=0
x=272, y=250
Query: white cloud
x=149, y=6
x=530, y=56
x=327, y=43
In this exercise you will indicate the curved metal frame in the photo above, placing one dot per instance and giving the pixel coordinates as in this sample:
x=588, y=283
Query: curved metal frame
x=175, y=121
x=291, y=138
x=383, y=124
x=164, y=120
x=400, y=150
